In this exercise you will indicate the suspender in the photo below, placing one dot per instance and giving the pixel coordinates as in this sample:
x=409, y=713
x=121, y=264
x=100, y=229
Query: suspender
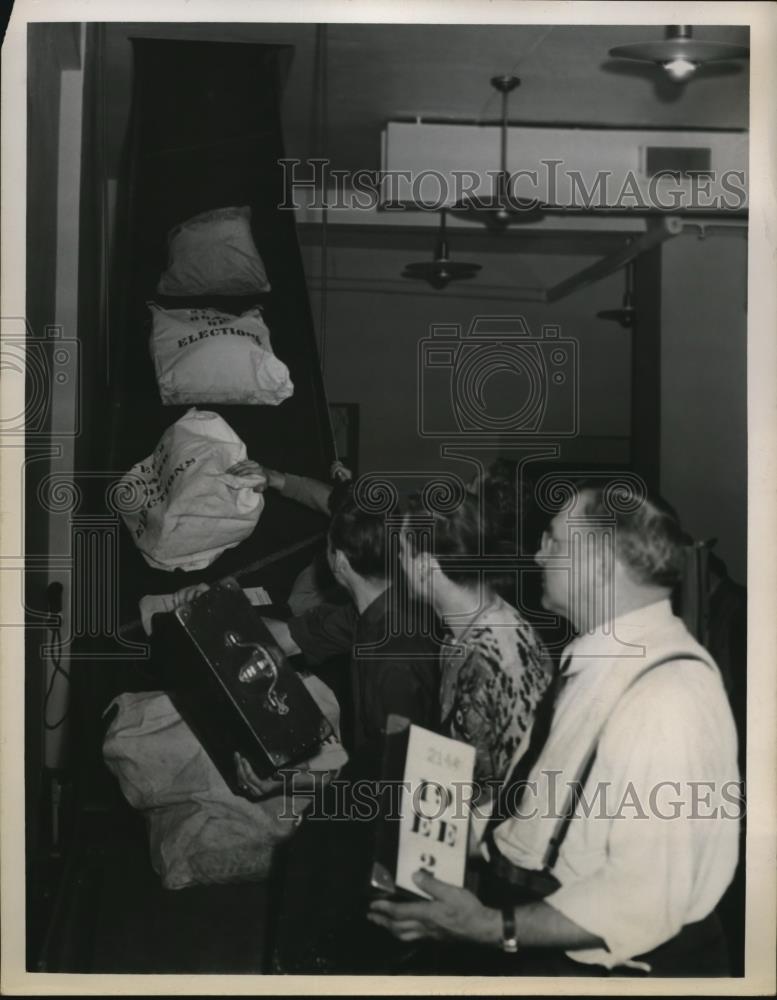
x=554, y=844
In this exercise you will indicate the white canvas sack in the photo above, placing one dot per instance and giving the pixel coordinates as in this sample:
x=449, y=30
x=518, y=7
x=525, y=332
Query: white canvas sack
x=199, y=832
x=214, y=254
x=207, y=356
x=184, y=509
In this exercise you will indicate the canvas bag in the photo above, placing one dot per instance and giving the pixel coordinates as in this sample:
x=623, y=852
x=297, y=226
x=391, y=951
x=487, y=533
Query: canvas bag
x=208, y=356
x=199, y=832
x=183, y=509
x=214, y=253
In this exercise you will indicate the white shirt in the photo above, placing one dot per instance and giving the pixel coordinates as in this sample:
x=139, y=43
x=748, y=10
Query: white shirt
x=651, y=856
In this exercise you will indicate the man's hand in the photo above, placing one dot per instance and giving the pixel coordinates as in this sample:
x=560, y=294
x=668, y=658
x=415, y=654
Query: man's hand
x=250, y=468
x=271, y=477
x=451, y=915
x=153, y=604
x=291, y=781
x=340, y=473
x=256, y=788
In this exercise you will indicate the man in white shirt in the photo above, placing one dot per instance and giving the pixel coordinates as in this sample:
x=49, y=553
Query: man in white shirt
x=652, y=844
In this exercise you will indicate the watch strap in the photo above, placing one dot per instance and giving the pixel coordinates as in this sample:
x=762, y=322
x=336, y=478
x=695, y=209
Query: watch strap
x=509, y=937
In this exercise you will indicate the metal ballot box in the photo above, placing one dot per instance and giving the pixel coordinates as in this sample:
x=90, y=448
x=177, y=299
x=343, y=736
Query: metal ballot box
x=232, y=684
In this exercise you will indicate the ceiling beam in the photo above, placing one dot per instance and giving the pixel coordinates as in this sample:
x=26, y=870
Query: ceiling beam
x=669, y=226
x=633, y=248
x=576, y=243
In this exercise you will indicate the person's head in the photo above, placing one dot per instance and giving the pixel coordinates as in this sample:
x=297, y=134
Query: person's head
x=443, y=542
x=611, y=549
x=356, y=543
x=508, y=495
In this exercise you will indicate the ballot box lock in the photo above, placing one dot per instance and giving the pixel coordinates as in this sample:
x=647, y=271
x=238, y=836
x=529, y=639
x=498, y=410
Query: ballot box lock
x=260, y=666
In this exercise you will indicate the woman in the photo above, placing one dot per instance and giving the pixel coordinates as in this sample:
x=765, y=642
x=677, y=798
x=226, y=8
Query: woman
x=494, y=668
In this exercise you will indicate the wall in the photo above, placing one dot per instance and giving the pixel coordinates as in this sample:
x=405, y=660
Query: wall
x=374, y=326
x=704, y=390
x=64, y=398
x=53, y=179
x=378, y=72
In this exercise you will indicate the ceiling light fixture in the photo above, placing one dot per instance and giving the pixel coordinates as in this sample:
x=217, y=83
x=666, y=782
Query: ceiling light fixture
x=501, y=208
x=679, y=54
x=441, y=270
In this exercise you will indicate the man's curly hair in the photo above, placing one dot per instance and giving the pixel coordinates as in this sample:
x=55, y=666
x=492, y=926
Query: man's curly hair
x=649, y=540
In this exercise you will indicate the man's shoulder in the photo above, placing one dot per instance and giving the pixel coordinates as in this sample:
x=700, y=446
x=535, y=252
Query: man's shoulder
x=401, y=618
x=324, y=630
x=331, y=613
x=679, y=673
x=681, y=696
x=653, y=648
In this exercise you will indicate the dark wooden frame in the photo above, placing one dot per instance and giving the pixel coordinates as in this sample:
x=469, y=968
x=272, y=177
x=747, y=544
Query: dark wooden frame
x=646, y=369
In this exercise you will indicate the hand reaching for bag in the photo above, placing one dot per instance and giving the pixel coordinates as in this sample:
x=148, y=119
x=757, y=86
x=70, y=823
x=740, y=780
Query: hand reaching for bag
x=153, y=604
x=339, y=473
x=248, y=467
x=272, y=478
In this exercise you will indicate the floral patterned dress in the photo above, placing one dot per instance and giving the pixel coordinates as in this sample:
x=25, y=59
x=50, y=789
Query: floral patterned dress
x=493, y=677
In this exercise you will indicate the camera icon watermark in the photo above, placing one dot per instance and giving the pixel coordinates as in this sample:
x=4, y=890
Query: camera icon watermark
x=44, y=365
x=498, y=381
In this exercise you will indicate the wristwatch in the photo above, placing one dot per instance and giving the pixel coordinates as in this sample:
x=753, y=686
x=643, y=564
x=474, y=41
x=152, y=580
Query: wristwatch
x=509, y=938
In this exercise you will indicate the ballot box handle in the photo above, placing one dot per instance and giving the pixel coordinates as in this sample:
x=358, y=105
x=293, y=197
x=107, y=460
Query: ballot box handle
x=259, y=667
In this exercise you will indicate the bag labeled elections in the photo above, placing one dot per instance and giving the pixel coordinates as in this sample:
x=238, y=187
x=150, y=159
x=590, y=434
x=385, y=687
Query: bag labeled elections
x=209, y=356
x=180, y=505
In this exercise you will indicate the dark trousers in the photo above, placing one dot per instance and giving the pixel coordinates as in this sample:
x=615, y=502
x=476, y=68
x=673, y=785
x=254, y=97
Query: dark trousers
x=320, y=905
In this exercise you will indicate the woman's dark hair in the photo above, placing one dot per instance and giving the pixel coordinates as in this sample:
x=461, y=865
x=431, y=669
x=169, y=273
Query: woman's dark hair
x=455, y=537
x=342, y=490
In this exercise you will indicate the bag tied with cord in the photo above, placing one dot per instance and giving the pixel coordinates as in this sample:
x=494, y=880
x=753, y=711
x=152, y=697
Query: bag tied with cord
x=180, y=505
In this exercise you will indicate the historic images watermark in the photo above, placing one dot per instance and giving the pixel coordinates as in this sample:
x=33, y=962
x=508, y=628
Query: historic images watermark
x=365, y=800
x=81, y=550
x=455, y=367
x=552, y=184
x=48, y=364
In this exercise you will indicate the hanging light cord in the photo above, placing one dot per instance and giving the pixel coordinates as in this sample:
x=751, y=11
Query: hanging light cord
x=521, y=59
x=105, y=235
x=320, y=145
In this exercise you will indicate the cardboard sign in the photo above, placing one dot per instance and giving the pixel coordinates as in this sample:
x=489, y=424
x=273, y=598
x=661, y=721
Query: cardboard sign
x=432, y=830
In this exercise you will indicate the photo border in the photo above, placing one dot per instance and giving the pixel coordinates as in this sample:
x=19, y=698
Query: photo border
x=762, y=485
